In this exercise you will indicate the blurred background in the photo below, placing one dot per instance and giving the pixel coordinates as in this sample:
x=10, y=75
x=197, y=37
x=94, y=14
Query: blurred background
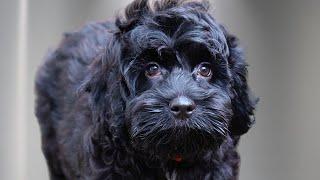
x=281, y=39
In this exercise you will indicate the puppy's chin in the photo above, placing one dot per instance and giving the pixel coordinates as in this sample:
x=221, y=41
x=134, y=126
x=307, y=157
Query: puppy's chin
x=177, y=142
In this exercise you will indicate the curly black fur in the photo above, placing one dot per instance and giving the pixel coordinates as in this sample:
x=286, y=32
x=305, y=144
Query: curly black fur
x=101, y=117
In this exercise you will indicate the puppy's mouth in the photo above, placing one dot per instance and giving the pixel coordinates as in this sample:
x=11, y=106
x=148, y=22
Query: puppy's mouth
x=177, y=144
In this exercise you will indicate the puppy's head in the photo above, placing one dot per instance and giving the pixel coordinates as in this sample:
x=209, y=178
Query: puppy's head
x=183, y=79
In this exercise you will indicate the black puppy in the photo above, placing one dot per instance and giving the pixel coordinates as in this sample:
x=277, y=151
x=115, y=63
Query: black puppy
x=161, y=93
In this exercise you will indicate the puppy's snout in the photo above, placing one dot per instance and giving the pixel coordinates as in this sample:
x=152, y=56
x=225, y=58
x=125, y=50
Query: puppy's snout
x=182, y=107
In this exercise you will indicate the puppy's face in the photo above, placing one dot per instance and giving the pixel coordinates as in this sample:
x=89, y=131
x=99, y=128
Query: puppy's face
x=181, y=86
x=178, y=84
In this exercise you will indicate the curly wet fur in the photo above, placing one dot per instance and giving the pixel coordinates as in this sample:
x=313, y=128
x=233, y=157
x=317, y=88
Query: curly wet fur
x=101, y=118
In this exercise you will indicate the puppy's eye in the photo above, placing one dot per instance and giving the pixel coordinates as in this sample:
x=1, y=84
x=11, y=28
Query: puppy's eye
x=152, y=70
x=204, y=70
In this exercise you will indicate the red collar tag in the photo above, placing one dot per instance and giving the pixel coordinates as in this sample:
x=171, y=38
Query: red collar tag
x=178, y=158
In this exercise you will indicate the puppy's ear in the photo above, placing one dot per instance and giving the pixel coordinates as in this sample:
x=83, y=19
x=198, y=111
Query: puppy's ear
x=102, y=75
x=95, y=81
x=243, y=101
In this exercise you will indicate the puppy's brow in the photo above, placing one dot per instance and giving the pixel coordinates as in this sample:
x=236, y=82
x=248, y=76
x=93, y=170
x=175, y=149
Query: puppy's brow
x=150, y=54
x=196, y=52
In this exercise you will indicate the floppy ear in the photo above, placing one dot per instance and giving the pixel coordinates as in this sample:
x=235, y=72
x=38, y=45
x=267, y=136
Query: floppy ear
x=96, y=81
x=101, y=78
x=243, y=102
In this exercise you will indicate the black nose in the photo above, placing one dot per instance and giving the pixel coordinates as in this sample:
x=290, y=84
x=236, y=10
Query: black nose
x=182, y=107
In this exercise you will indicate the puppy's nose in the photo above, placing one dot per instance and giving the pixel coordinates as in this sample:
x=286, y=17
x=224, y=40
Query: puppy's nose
x=182, y=107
